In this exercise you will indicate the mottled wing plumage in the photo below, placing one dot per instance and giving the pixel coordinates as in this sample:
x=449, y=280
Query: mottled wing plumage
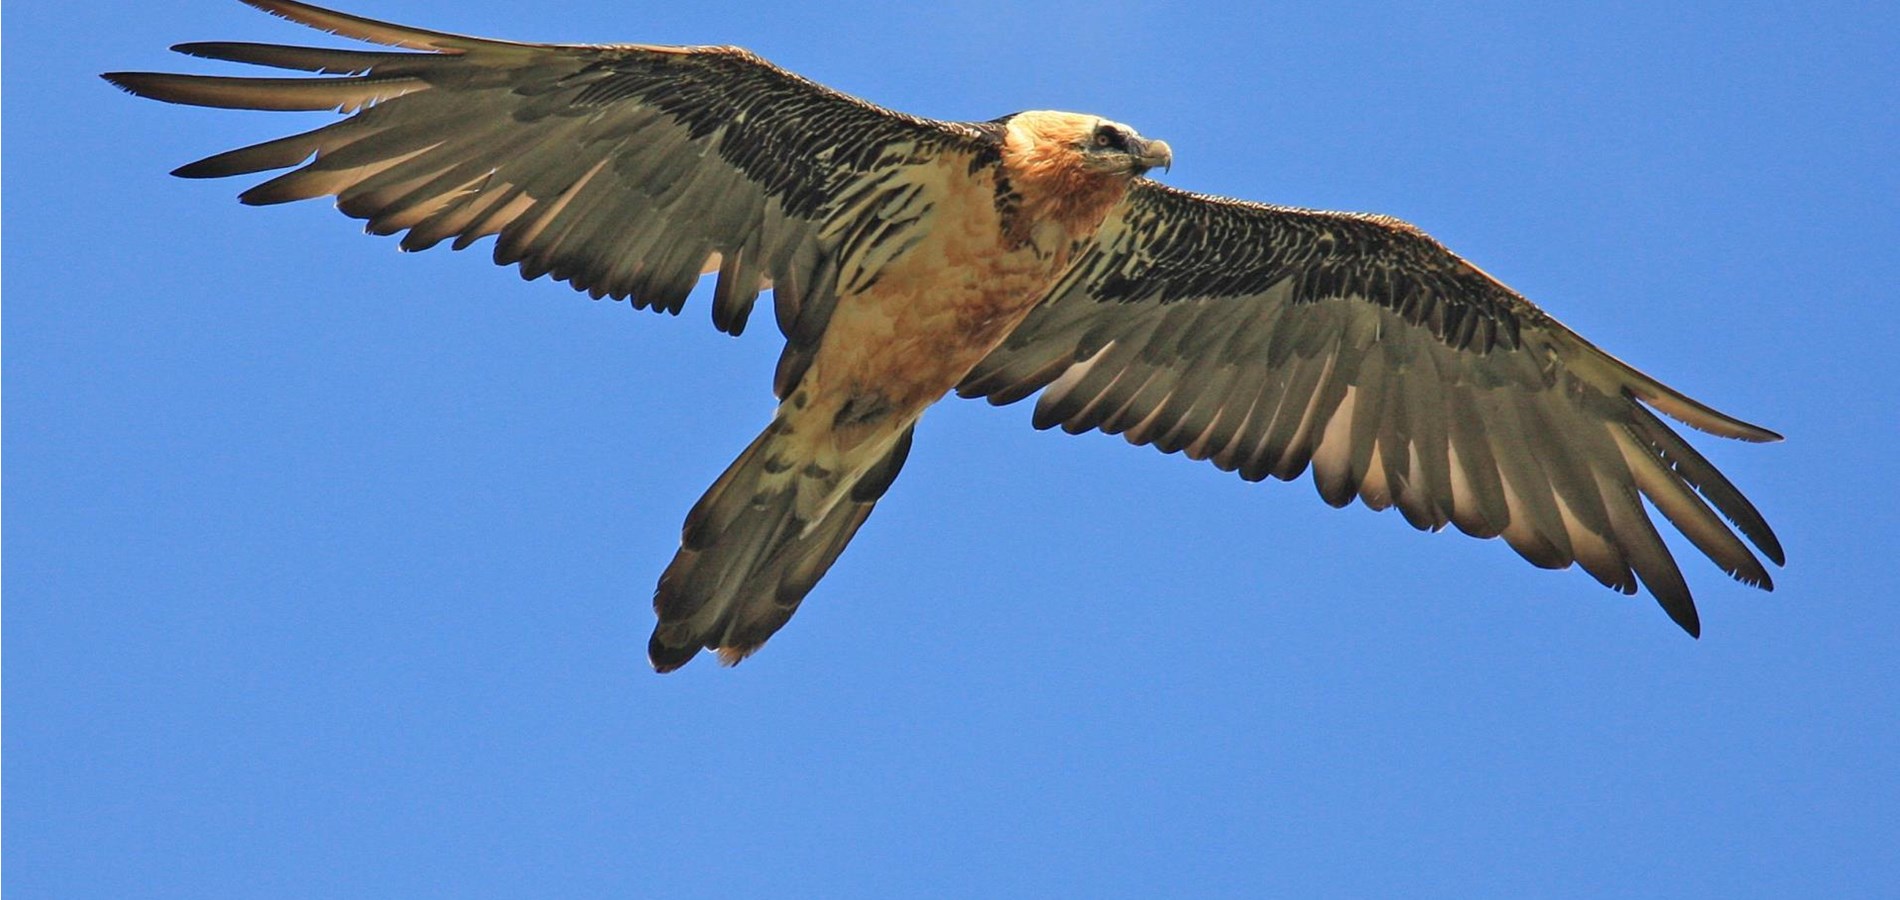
x=627, y=170
x=1268, y=339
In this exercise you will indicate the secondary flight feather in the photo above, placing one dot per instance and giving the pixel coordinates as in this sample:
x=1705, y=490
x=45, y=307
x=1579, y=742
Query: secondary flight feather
x=906, y=258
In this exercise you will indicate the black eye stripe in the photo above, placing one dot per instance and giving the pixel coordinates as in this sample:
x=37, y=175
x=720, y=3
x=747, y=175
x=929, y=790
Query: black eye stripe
x=1111, y=137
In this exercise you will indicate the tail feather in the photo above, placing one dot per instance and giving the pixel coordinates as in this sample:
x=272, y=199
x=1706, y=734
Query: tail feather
x=756, y=544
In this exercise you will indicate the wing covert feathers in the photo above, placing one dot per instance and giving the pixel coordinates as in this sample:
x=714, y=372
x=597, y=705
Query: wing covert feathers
x=1270, y=340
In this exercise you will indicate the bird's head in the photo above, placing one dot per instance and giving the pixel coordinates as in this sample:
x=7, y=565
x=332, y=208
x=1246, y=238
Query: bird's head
x=1115, y=148
x=1086, y=143
x=1070, y=168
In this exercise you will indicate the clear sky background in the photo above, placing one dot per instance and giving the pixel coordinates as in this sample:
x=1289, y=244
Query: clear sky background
x=327, y=568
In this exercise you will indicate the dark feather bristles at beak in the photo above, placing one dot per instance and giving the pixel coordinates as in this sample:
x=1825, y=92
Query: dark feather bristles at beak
x=1152, y=155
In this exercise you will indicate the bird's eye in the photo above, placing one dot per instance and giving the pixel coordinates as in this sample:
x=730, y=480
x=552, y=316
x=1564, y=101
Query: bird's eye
x=1107, y=136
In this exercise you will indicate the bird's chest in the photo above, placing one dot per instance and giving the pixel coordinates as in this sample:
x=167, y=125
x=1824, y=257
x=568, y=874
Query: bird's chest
x=930, y=315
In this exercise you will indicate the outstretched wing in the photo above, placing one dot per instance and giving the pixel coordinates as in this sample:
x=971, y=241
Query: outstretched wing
x=627, y=170
x=1266, y=339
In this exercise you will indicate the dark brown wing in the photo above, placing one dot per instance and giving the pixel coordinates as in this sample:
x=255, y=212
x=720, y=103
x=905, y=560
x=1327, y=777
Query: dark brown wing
x=625, y=170
x=1265, y=338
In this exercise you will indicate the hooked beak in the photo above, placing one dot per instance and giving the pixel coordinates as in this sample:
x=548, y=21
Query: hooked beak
x=1152, y=155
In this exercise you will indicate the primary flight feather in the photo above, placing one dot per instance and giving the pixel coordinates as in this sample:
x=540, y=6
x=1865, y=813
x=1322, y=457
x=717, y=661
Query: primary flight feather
x=908, y=257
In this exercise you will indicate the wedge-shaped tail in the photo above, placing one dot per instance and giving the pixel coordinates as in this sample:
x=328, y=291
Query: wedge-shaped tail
x=757, y=542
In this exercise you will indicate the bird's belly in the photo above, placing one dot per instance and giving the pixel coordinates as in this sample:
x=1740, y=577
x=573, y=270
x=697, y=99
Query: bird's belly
x=902, y=343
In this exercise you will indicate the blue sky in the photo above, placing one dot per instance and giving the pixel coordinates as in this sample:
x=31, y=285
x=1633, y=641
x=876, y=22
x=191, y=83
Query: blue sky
x=327, y=567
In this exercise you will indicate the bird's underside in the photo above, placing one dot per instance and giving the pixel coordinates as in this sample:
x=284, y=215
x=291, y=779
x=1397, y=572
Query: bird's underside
x=908, y=257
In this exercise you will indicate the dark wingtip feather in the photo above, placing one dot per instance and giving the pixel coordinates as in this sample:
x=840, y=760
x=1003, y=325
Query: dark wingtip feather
x=1673, y=596
x=198, y=169
x=278, y=154
x=218, y=50
x=133, y=83
x=1699, y=473
x=1682, y=611
x=297, y=94
x=362, y=29
x=1680, y=608
x=308, y=59
x=1773, y=548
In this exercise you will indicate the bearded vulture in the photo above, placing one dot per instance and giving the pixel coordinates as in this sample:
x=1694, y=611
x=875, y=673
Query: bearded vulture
x=907, y=258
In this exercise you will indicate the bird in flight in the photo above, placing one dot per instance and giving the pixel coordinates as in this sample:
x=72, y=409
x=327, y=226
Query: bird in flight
x=908, y=257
